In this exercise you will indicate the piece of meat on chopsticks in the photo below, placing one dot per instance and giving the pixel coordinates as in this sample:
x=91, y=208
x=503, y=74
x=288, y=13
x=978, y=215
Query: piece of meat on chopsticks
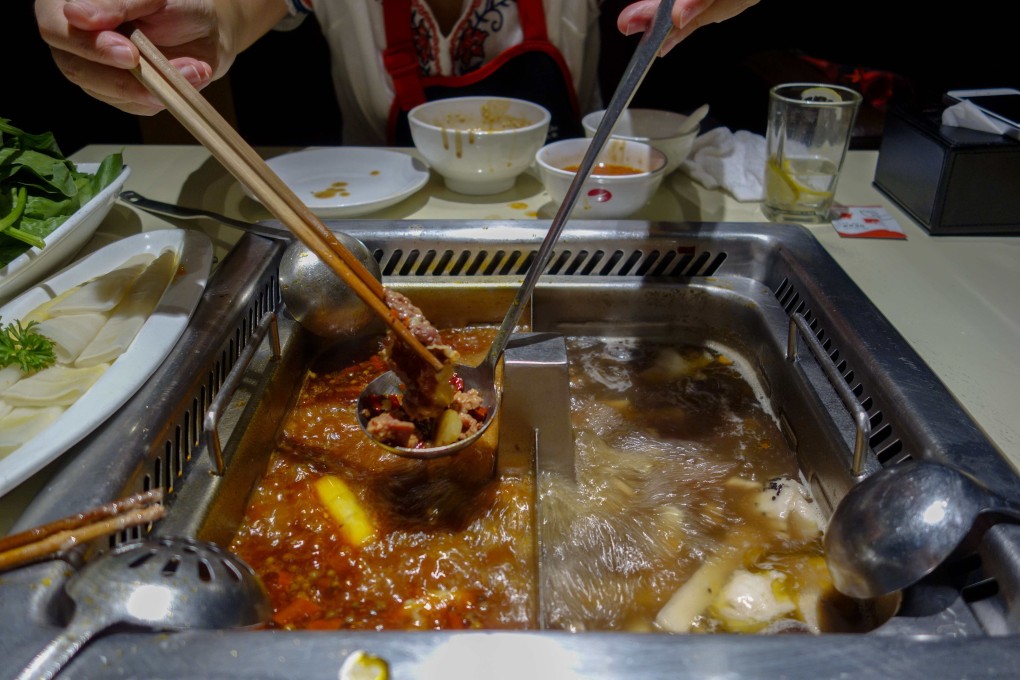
x=434, y=410
x=428, y=392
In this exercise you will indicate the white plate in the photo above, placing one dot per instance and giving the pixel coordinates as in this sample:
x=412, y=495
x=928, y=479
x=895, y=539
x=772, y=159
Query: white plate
x=367, y=179
x=64, y=243
x=132, y=368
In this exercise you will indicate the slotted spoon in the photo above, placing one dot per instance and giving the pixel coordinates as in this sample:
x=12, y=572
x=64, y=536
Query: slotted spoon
x=161, y=584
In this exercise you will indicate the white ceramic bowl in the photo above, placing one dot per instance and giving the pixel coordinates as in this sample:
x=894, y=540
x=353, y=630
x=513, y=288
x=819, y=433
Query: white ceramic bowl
x=479, y=144
x=603, y=196
x=651, y=126
x=64, y=242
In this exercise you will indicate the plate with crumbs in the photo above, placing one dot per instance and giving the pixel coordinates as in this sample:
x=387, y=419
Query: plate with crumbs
x=349, y=181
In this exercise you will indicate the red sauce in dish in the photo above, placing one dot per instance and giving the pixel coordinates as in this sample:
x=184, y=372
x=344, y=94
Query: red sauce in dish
x=608, y=169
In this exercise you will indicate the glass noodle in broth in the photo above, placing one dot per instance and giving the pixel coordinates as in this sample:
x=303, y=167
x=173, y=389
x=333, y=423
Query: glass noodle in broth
x=687, y=513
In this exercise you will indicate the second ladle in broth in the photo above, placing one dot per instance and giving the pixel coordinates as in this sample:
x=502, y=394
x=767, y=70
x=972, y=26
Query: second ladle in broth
x=483, y=376
x=898, y=525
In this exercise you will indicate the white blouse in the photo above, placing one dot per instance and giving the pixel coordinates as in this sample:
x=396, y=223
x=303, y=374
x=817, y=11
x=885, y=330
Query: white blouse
x=356, y=35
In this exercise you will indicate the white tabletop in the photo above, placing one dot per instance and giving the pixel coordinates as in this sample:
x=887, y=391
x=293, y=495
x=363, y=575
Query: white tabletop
x=953, y=298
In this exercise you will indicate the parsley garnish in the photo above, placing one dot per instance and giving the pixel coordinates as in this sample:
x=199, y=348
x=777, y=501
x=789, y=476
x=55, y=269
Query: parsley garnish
x=23, y=346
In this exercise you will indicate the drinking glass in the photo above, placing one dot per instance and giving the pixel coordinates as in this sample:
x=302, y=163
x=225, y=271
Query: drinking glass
x=806, y=140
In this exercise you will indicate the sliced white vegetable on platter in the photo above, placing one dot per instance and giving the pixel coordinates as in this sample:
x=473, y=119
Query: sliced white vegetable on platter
x=102, y=293
x=25, y=423
x=54, y=386
x=8, y=376
x=128, y=317
x=164, y=310
x=70, y=333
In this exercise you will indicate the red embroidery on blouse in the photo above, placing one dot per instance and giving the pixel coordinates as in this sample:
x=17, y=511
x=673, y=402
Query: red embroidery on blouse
x=469, y=49
x=482, y=20
x=425, y=38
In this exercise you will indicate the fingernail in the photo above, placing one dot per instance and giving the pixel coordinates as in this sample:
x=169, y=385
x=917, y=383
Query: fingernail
x=193, y=75
x=121, y=55
x=632, y=27
x=671, y=41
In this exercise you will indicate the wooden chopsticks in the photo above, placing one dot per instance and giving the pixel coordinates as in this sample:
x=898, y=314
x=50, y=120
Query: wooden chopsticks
x=50, y=539
x=203, y=121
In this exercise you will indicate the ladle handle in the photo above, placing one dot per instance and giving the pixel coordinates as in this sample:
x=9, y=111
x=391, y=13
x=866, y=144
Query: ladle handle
x=181, y=212
x=647, y=49
x=55, y=655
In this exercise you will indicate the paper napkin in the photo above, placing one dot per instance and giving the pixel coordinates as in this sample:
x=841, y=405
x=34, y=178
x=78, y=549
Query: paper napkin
x=732, y=161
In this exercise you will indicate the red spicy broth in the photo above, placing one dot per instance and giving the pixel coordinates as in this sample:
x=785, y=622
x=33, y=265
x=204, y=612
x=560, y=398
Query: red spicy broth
x=454, y=546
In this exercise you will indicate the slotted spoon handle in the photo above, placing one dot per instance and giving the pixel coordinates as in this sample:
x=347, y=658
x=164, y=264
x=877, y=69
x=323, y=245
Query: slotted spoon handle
x=55, y=655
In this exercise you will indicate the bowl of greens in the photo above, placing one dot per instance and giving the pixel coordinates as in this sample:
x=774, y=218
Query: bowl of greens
x=49, y=206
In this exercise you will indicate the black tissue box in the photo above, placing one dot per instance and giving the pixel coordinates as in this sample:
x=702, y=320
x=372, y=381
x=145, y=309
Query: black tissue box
x=952, y=180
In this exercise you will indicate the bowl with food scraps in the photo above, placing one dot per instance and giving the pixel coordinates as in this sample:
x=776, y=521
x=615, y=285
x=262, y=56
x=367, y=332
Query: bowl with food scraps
x=671, y=133
x=479, y=145
x=625, y=176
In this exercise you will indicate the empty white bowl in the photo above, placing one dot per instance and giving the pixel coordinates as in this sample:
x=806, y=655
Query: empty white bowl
x=661, y=129
x=603, y=196
x=479, y=144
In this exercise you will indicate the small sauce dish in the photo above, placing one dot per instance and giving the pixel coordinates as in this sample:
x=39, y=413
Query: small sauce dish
x=625, y=176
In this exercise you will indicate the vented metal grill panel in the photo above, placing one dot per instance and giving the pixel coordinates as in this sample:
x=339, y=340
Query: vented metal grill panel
x=886, y=447
x=678, y=263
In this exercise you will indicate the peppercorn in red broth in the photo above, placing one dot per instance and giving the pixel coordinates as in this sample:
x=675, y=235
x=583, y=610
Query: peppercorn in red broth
x=452, y=546
x=686, y=514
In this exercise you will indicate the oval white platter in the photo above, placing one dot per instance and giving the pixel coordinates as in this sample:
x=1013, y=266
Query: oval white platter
x=64, y=242
x=139, y=361
x=366, y=179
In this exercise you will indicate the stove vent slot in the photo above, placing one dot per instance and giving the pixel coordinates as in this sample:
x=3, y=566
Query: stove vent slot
x=575, y=260
x=884, y=443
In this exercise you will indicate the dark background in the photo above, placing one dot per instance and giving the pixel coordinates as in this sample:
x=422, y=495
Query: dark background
x=279, y=92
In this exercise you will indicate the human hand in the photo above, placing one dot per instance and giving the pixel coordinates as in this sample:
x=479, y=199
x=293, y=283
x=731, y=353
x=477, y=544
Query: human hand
x=199, y=37
x=688, y=16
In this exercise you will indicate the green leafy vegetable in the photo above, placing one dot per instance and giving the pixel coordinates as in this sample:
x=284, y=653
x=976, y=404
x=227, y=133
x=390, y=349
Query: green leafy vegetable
x=40, y=188
x=18, y=198
x=23, y=346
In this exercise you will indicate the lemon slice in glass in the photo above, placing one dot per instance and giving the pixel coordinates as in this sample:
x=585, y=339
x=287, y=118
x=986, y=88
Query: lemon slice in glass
x=820, y=94
x=780, y=186
x=786, y=185
x=361, y=665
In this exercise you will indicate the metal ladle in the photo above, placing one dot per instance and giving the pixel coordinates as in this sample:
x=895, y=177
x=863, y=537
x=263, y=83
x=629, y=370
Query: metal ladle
x=314, y=295
x=161, y=584
x=898, y=525
x=483, y=376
